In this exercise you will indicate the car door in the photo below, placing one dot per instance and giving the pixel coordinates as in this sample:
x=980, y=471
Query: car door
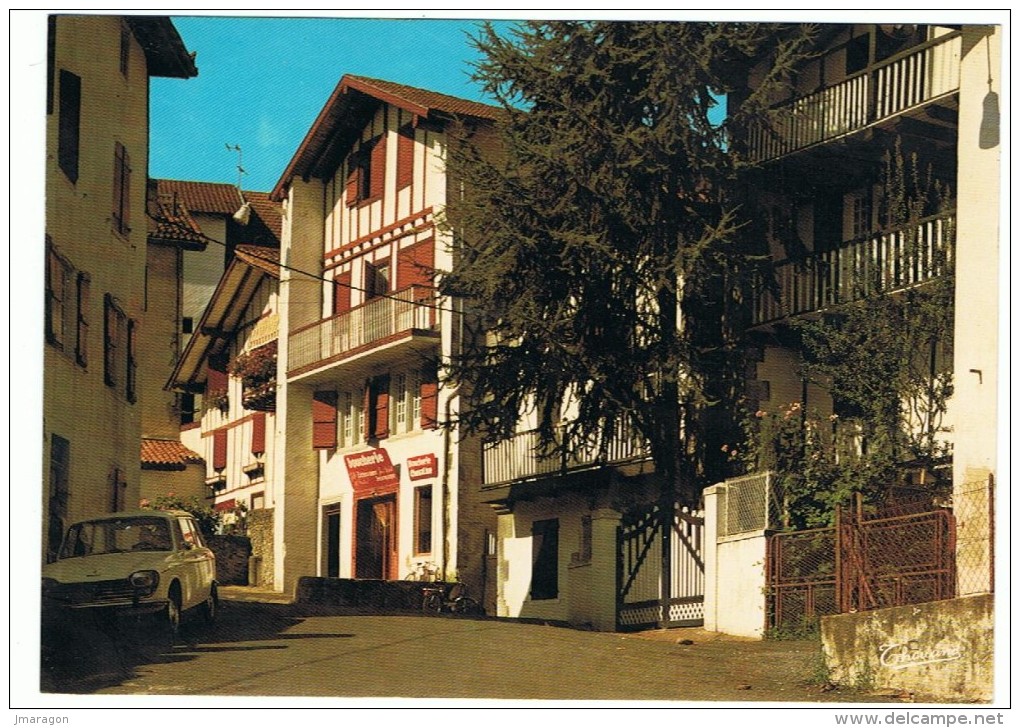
x=197, y=565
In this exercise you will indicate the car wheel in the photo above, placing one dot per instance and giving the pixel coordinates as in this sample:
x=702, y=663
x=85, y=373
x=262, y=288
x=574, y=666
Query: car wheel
x=172, y=616
x=211, y=606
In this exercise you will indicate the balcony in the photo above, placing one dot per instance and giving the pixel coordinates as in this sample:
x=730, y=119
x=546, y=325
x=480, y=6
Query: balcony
x=899, y=84
x=881, y=263
x=519, y=458
x=401, y=316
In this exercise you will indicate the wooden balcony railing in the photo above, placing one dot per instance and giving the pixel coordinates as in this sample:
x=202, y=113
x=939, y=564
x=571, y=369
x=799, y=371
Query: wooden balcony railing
x=895, y=85
x=520, y=459
x=405, y=311
x=881, y=263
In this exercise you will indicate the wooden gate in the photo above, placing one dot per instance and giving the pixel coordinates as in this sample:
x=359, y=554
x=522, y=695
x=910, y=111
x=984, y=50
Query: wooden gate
x=657, y=586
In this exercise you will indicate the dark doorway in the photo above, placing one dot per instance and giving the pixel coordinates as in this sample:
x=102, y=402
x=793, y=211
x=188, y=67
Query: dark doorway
x=333, y=544
x=376, y=538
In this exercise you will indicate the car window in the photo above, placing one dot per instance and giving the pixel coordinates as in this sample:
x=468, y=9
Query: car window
x=188, y=531
x=116, y=535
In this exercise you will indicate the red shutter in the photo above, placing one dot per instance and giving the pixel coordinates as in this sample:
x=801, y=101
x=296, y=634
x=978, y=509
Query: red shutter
x=219, y=458
x=353, y=172
x=258, y=433
x=381, y=407
x=429, y=401
x=416, y=264
x=342, y=293
x=215, y=379
x=377, y=175
x=405, y=156
x=324, y=420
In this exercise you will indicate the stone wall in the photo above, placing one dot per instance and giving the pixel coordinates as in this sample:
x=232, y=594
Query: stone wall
x=941, y=650
x=232, y=554
x=260, y=532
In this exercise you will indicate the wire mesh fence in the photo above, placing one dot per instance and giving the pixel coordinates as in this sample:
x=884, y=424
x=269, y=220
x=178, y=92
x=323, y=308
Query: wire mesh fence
x=746, y=504
x=906, y=553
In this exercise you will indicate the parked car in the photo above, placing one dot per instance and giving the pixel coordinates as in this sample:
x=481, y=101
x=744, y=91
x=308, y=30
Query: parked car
x=133, y=563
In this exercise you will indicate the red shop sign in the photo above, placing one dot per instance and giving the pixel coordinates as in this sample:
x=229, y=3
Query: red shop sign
x=372, y=471
x=423, y=466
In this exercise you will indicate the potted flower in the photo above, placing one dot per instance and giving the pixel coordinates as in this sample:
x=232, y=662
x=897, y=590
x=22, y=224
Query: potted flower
x=257, y=371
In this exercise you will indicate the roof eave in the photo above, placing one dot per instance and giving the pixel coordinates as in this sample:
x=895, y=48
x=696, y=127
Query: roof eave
x=165, y=53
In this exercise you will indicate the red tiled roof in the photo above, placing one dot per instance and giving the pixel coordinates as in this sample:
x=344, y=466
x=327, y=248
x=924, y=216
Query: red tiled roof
x=355, y=96
x=270, y=212
x=167, y=455
x=169, y=219
x=424, y=99
x=257, y=256
x=216, y=198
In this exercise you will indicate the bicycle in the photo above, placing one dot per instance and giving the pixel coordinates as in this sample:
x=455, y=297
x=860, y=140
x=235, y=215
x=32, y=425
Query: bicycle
x=451, y=598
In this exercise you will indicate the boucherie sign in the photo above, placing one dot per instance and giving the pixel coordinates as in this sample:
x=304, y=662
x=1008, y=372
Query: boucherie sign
x=372, y=471
x=421, y=467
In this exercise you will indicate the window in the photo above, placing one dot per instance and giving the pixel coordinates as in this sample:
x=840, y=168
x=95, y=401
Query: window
x=545, y=547
x=377, y=279
x=400, y=403
x=258, y=501
x=857, y=52
x=51, y=60
x=405, y=156
x=69, y=124
x=60, y=474
x=324, y=425
x=415, y=393
x=187, y=325
x=186, y=405
x=121, y=190
x=366, y=170
x=423, y=519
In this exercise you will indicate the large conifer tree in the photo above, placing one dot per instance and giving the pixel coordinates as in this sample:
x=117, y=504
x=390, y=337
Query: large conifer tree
x=597, y=251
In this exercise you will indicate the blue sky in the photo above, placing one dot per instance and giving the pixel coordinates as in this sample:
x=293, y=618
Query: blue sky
x=262, y=81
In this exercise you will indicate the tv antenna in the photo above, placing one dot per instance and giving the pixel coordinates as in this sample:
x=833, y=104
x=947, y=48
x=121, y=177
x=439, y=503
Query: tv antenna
x=243, y=213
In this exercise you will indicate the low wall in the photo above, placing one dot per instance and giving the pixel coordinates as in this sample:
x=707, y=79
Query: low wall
x=371, y=596
x=232, y=554
x=942, y=650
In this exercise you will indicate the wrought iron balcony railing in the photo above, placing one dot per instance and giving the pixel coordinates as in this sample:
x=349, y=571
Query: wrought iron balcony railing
x=520, y=458
x=880, y=263
x=375, y=322
x=885, y=89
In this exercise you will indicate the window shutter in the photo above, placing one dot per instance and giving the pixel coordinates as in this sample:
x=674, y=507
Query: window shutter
x=132, y=360
x=377, y=167
x=219, y=450
x=82, y=345
x=405, y=156
x=379, y=413
x=429, y=401
x=415, y=264
x=215, y=379
x=258, y=433
x=121, y=189
x=353, y=173
x=342, y=293
x=110, y=336
x=69, y=124
x=324, y=420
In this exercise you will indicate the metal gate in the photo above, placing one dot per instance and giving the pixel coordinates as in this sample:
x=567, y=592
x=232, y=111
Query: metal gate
x=863, y=562
x=657, y=587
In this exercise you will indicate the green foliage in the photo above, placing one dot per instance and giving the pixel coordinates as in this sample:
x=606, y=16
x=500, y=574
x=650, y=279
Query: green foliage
x=609, y=190
x=208, y=519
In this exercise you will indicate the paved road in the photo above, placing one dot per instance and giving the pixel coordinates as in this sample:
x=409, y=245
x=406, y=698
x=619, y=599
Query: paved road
x=290, y=650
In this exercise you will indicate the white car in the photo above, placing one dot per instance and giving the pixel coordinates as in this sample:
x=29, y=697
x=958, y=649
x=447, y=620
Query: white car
x=140, y=562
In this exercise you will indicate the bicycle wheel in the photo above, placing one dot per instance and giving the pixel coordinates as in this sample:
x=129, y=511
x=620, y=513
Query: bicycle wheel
x=466, y=605
x=432, y=603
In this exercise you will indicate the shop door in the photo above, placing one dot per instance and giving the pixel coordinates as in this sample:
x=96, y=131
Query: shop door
x=376, y=546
